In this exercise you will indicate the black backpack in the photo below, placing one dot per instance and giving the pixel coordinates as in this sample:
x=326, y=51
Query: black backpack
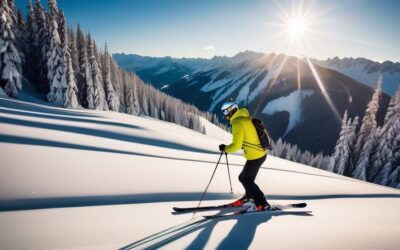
x=263, y=135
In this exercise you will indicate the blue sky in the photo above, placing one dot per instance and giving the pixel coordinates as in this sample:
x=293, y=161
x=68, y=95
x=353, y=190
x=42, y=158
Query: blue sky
x=179, y=28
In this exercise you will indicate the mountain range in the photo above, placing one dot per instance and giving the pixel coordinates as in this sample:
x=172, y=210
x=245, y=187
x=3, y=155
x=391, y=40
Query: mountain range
x=166, y=70
x=299, y=100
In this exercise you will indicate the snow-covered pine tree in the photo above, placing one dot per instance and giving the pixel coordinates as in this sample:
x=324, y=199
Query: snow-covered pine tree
x=340, y=145
x=383, y=152
x=306, y=158
x=317, y=161
x=363, y=162
x=122, y=81
x=32, y=58
x=68, y=82
x=88, y=76
x=98, y=95
x=55, y=58
x=53, y=8
x=13, y=14
x=341, y=159
x=144, y=103
x=394, y=178
x=73, y=51
x=278, y=149
x=135, y=87
x=128, y=99
x=351, y=140
x=10, y=61
x=392, y=140
x=111, y=95
x=391, y=108
x=71, y=100
x=116, y=81
x=368, y=124
x=396, y=150
x=22, y=38
x=83, y=76
x=42, y=41
x=291, y=153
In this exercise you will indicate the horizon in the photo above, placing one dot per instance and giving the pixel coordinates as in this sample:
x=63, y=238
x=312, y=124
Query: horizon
x=318, y=29
x=217, y=56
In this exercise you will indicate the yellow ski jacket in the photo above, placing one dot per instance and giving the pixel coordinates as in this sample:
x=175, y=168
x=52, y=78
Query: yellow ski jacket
x=244, y=135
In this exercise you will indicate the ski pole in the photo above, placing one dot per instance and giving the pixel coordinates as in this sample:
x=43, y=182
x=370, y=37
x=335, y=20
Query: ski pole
x=229, y=173
x=212, y=176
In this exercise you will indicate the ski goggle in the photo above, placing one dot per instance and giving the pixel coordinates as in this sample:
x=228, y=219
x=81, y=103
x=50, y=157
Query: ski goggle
x=227, y=110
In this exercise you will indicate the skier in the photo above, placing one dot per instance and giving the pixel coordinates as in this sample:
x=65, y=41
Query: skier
x=245, y=137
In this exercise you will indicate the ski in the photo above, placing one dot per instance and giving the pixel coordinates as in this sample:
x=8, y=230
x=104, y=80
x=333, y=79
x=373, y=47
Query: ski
x=227, y=206
x=269, y=211
x=205, y=208
x=274, y=208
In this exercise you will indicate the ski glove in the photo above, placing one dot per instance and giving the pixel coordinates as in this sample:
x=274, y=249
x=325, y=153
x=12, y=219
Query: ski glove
x=222, y=147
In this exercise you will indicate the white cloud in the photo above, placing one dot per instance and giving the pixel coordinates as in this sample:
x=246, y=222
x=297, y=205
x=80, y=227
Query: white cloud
x=209, y=47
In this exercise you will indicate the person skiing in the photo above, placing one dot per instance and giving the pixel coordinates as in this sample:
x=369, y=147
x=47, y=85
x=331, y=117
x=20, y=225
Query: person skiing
x=245, y=137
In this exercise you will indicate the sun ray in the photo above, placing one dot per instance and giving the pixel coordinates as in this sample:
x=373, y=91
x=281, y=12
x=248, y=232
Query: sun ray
x=321, y=85
x=298, y=74
x=282, y=13
x=272, y=82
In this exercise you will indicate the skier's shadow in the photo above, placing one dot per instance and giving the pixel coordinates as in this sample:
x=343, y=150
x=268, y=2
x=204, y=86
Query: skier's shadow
x=239, y=237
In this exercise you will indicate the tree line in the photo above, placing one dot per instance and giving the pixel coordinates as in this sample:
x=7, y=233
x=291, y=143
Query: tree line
x=66, y=65
x=363, y=150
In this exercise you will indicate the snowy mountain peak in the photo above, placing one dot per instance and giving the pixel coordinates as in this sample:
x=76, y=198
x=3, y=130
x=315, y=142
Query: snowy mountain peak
x=366, y=71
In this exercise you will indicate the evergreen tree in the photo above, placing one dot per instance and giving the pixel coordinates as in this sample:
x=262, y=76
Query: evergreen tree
x=389, y=156
x=368, y=124
x=83, y=76
x=22, y=38
x=32, y=59
x=97, y=92
x=68, y=82
x=364, y=160
x=43, y=43
x=116, y=81
x=392, y=106
x=383, y=153
x=278, y=149
x=317, y=161
x=340, y=145
x=394, y=178
x=55, y=58
x=53, y=8
x=10, y=61
x=340, y=161
x=128, y=95
x=90, y=95
x=135, y=86
x=112, y=97
x=73, y=50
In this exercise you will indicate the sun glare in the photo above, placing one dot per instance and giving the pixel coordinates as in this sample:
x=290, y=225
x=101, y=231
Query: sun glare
x=296, y=27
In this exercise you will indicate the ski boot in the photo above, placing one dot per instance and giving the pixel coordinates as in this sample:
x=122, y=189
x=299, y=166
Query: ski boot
x=240, y=202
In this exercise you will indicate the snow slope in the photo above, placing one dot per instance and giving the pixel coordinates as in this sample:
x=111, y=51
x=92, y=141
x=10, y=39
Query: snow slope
x=102, y=180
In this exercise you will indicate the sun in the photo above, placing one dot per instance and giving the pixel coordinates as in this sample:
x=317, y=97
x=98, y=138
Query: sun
x=296, y=27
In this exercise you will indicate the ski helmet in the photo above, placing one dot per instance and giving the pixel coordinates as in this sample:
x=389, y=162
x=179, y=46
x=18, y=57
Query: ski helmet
x=227, y=107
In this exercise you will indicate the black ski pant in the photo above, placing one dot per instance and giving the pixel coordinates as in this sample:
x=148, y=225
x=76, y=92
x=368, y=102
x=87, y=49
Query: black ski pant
x=247, y=177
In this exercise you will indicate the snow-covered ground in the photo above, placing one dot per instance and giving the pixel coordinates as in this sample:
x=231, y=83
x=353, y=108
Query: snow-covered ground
x=291, y=104
x=77, y=179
